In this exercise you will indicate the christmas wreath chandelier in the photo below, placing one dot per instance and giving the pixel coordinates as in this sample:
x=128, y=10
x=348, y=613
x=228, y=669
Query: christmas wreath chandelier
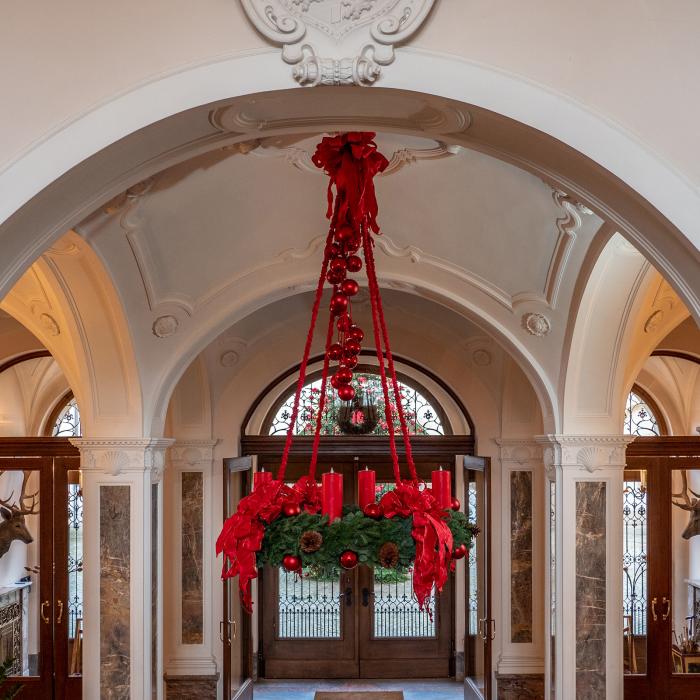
x=305, y=525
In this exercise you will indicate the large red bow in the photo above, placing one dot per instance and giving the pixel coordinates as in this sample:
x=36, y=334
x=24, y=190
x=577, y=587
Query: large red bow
x=242, y=534
x=351, y=161
x=430, y=531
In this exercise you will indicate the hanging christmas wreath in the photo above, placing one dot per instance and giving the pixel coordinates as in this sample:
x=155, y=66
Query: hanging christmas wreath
x=413, y=525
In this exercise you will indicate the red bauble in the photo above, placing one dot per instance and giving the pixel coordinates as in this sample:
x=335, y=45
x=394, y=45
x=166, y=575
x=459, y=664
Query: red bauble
x=343, y=323
x=291, y=509
x=345, y=233
x=334, y=382
x=346, y=392
x=351, y=246
x=335, y=352
x=338, y=265
x=455, y=505
x=339, y=302
x=460, y=552
x=349, y=361
x=291, y=562
x=356, y=333
x=343, y=375
x=352, y=347
x=354, y=263
x=335, y=277
x=333, y=249
x=372, y=510
x=350, y=288
x=348, y=559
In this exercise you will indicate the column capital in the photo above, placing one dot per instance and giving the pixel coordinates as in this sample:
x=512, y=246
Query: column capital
x=587, y=453
x=190, y=453
x=522, y=451
x=115, y=456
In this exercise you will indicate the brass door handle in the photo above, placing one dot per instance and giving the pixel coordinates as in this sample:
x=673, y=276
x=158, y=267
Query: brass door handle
x=43, y=615
x=492, y=625
x=59, y=603
x=482, y=629
x=653, y=609
x=668, y=608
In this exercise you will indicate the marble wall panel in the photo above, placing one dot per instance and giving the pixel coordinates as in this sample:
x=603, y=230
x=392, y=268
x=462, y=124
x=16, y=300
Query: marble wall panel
x=521, y=557
x=520, y=686
x=590, y=590
x=192, y=550
x=115, y=576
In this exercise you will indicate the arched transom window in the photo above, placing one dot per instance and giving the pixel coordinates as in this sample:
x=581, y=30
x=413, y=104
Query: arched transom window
x=640, y=417
x=67, y=423
x=365, y=415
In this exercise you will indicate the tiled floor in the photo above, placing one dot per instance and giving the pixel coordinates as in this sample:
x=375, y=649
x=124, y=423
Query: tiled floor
x=412, y=690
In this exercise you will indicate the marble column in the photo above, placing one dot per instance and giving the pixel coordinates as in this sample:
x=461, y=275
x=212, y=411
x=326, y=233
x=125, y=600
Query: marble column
x=588, y=471
x=193, y=580
x=522, y=564
x=122, y=609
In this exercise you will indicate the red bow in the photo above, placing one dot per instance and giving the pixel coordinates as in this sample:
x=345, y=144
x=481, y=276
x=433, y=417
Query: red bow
x=430, y=531
x=351, y=161
x=242, y=534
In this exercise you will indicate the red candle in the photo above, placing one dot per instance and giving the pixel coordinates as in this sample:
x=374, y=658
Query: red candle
x=332, y=495
x=259, y=478
x=366, y=480
x=442, y=488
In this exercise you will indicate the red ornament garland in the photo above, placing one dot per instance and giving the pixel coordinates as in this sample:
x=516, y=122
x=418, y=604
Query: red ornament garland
x=351, y=161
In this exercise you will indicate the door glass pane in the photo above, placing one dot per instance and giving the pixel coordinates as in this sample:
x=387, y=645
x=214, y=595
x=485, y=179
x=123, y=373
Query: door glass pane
x=308, y=606
x=685, y=590
x=74, y=612
x=20, y=599
x=634, y=571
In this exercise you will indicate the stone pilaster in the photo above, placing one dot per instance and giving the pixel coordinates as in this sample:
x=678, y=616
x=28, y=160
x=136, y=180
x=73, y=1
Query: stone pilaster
x=121, y=554
x=588, y=471
x=192, y=533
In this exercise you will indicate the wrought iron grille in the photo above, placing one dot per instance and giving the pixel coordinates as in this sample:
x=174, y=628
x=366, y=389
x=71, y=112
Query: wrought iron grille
x=308, y=607
x=634, y=560
x=473, y=593
x=396, y=611
x=75, y=557
x=639, y=418
x=68, y=422
x=422, y=416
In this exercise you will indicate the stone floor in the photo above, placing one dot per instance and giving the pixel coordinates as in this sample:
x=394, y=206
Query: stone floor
x=412, y=690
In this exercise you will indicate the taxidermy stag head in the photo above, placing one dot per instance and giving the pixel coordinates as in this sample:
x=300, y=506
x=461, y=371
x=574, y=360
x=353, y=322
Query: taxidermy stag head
x=13, y=526
x=690, y=504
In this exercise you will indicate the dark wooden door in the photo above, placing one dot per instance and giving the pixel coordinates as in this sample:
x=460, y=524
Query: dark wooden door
x=663, y=600
x=235, y=627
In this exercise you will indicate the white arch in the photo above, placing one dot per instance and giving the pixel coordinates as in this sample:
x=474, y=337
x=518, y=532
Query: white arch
x=675, y=253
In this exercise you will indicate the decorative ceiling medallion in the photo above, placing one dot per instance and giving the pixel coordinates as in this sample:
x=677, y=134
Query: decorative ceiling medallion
x=165, y=326
x=536, y=324
x=337, y=42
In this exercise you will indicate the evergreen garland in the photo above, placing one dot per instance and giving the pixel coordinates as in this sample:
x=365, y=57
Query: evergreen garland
x=354, y=531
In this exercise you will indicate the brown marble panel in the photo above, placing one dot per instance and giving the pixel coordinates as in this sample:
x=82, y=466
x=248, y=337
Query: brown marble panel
x=188, y=687
x=115, y=574
x=192, y=548
x=520, y=686
x=590, y=590
x=521, y=557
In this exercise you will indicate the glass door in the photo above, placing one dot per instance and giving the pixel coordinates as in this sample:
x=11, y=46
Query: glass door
x=479, y=626
x=235, y=628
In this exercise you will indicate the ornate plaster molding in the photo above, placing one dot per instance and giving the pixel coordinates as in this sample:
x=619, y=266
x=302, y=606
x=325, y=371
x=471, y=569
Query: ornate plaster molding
x=520, y=451
x=115, y=456
x=584, y=453
x=536, y=324
x=337, y=42
x=186, y=454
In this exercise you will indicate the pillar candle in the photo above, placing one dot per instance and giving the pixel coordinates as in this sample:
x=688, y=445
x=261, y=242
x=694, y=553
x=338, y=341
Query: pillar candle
x=259, y=478
x=442, y=488
x=366, y=480
x=332, y=495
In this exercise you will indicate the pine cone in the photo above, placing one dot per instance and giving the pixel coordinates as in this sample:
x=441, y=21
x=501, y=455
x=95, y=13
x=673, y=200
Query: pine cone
x=310, y=541
x=388, y=555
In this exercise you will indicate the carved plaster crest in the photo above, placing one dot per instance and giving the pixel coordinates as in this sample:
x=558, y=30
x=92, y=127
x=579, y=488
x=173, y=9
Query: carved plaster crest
x=536, y=324
x=337, y=42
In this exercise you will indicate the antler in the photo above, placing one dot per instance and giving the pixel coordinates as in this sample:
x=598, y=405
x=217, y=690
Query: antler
x=688, y=504
x=20, y=507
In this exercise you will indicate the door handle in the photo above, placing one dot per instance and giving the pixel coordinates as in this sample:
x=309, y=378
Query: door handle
x=653, y=609
x=668, y=608
x=59, y=603
x=366, y=593
x=482, y=628
x=492, y=628
x=230, y=627
x=43, y=614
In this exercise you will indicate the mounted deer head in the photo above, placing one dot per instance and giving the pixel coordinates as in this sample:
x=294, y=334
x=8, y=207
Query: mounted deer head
x=690, y=504
x=13, y=526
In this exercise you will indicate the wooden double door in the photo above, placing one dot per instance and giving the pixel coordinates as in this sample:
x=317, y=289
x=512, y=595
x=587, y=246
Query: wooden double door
x=41, y=571
x=364, y=623
x=661, y=569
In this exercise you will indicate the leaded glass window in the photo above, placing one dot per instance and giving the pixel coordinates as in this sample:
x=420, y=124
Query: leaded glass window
x=68, y=421
x=639, y=418
x=422, y=415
